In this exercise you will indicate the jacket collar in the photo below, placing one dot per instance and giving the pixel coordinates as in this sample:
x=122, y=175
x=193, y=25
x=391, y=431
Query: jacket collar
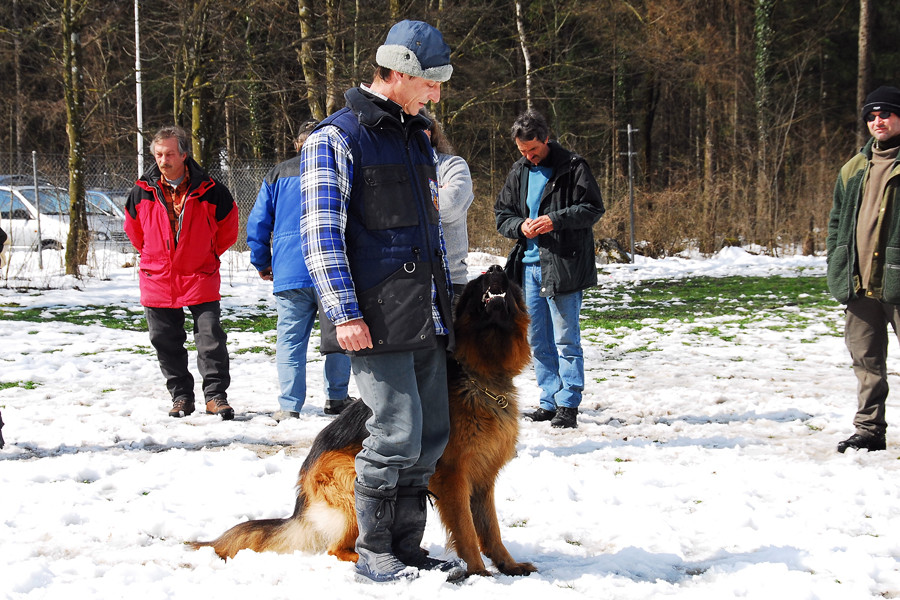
x=373, y=110
x=196, y=172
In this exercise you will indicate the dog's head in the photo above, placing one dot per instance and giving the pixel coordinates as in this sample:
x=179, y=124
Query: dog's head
x=492, y=327
x=491, y=300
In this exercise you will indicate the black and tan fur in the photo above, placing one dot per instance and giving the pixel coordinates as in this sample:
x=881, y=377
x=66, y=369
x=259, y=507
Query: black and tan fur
x=492, y=347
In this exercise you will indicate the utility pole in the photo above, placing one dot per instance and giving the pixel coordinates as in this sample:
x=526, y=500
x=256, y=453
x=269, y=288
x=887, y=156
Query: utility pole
x=137, y=84
x=631, y=154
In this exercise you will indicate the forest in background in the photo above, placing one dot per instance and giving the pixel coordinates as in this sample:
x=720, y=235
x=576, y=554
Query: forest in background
x=743, y=109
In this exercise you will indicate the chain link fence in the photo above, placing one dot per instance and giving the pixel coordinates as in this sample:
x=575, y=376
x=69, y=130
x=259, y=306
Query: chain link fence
x=118, y=173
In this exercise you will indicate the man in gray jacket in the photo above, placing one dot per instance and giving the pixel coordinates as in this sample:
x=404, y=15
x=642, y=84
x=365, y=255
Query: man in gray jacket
x=549, y=204
x=864, y=263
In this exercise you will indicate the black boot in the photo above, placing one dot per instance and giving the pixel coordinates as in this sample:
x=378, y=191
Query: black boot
x=409, y=527
x=2, y=443
x=565, y=417
x=375, y=516
x=863, y=441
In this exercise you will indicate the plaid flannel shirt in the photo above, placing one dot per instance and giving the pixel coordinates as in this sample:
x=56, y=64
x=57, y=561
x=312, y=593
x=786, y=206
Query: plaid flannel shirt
x=326, y=169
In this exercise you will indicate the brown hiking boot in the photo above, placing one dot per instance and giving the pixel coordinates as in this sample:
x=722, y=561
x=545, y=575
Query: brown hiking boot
x=181, y=407
x=219, y=406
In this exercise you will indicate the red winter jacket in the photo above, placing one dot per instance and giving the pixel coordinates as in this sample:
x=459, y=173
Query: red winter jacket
x=186, y=273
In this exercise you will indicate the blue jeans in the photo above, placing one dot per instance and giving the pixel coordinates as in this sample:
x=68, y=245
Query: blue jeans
x=296, y=314
x=410, y=424
x=555, y=338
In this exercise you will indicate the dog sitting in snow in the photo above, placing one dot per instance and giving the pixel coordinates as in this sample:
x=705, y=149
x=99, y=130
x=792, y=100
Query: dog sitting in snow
x=491, y=329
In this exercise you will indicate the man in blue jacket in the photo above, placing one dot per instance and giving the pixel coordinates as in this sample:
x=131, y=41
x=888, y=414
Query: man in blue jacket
x=273, y=234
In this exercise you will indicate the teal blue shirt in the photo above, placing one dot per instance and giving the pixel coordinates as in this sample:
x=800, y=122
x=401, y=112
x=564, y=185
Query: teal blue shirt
x=538, y=177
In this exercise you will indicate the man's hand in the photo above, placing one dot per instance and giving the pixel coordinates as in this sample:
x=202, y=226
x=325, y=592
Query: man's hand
x=266, y=274
x=353, y=335
x=534, y=227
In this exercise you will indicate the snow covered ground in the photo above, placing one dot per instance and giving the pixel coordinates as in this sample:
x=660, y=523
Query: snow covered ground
x=701, y=468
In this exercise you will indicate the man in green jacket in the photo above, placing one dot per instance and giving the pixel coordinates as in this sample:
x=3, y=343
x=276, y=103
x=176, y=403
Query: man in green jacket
x=864, y=261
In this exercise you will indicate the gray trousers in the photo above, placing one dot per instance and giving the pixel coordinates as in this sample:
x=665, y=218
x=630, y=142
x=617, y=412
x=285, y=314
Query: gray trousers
x=866, y=336
x=410, y=424
x=168, y=336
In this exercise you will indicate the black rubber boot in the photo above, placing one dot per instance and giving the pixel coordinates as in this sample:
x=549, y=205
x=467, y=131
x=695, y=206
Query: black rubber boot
x=375, y=516
x=409, y=527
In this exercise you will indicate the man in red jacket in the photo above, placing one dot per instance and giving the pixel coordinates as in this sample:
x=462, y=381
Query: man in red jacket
x=181, y=220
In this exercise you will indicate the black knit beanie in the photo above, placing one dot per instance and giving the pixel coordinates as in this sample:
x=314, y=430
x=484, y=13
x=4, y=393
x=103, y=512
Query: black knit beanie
x=883, y=98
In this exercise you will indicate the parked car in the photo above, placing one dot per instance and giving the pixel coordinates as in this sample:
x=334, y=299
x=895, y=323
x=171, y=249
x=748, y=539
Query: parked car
x=106, y=219
x=20, y=218
x=17, y=210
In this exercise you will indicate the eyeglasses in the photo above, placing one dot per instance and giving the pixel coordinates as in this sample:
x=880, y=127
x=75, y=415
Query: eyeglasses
x=885, y=114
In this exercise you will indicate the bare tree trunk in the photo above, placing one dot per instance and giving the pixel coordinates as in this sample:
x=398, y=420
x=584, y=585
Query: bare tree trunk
x=525, y=55
x=307, y=59
x=19, y=115
x=355, y=74
x=197, y=118
x=332, y=18
x=72, y=14
x=710, y=194
x=764, y=34
x=864, y=69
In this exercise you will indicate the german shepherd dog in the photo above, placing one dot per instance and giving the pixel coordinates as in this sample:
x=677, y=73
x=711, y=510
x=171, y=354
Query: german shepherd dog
x=492, y=347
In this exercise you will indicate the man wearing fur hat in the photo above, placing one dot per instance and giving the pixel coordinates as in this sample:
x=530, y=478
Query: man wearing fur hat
x=864, y=263
x=373, y=243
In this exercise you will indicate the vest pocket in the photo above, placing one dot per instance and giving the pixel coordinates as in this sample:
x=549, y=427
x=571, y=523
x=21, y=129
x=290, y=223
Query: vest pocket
x=387, y=198
x=398, y=310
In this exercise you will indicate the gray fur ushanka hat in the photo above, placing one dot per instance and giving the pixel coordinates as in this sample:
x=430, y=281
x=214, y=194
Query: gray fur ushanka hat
x=416, y=48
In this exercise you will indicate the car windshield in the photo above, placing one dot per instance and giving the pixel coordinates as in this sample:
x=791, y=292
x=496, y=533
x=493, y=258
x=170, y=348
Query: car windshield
x=98, y=204
x=54, y=201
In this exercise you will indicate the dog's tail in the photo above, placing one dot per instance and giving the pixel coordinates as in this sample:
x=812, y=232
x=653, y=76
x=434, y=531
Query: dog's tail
x=324, y=518
x=297, y=532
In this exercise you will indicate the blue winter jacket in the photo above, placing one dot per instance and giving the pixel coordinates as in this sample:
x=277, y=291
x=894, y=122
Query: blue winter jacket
x=273, y=228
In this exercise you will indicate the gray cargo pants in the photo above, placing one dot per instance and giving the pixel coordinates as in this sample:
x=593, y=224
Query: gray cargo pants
x=866, y=336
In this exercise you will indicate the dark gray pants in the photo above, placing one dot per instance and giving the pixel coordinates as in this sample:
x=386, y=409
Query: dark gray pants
x=410, y=424
x=168, y=336
x=866, y=336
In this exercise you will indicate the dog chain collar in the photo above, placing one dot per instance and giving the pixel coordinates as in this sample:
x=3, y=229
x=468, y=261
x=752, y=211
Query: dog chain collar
x=500, y=399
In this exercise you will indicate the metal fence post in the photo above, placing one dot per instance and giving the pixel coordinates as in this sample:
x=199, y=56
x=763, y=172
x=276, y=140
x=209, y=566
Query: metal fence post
x=630, y=154
x=37, y=202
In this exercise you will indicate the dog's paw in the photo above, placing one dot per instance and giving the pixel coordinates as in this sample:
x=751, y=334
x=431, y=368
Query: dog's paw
x=479, y=572
x=517, y=569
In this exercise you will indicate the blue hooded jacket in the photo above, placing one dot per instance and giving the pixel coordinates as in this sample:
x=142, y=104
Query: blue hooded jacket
x=273, y=228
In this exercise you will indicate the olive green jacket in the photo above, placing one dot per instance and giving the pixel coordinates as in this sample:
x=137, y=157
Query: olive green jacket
x=843, y=266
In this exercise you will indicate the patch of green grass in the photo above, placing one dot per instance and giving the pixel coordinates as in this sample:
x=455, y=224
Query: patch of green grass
x=254, y=322
x=107, y=316
x=28, y=385
x=798, y=301
x=267, y=350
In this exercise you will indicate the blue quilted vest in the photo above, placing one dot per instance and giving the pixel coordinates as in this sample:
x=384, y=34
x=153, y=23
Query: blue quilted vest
x=393, y=236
